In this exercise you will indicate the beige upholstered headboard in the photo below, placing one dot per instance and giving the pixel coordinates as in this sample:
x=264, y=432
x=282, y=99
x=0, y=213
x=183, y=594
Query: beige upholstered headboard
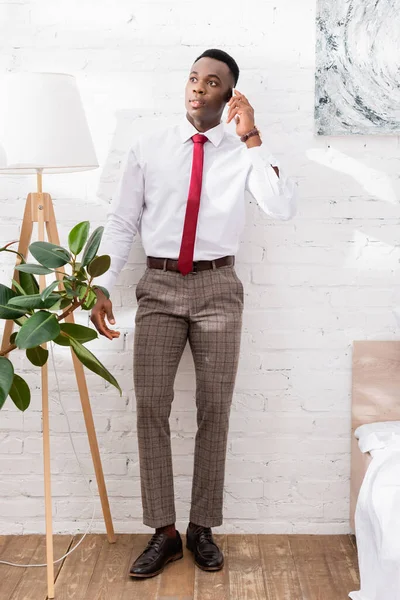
x=375, y=397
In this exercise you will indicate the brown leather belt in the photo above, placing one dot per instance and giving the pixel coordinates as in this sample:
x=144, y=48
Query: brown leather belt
x=170, y=264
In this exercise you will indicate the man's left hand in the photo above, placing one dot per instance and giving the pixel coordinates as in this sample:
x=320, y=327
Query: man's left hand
x=241, y=109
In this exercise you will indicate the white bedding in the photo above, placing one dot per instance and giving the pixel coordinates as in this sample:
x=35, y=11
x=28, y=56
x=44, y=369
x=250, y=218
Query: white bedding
x=377, y=516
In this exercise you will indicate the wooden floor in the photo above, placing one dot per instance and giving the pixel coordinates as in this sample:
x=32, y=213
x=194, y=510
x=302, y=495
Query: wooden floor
x=257, y=567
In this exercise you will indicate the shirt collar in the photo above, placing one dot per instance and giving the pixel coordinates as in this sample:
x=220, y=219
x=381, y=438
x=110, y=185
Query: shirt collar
x=215, y=134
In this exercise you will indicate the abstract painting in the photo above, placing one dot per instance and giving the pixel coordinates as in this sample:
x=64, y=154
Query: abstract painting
x=357, y=88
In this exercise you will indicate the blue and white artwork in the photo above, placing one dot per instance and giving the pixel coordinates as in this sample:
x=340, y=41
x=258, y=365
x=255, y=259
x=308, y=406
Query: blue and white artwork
x=357, y=87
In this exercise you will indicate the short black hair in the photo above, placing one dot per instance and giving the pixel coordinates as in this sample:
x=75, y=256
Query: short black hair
x=223, y=57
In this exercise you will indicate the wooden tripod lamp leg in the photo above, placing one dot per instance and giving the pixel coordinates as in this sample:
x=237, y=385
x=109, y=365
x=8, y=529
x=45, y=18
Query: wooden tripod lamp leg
x=24, y=241
x=53, y=237
x=94, y=448
x=38, y=209
x=33, y=214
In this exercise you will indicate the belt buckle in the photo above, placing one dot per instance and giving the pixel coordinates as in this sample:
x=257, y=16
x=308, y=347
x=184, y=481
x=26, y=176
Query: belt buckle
x=195, y=268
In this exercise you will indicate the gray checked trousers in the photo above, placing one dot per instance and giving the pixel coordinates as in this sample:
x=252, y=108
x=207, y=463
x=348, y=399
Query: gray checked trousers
x=205, y=307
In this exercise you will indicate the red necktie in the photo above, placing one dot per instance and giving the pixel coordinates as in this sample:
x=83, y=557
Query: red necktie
x=185, y=261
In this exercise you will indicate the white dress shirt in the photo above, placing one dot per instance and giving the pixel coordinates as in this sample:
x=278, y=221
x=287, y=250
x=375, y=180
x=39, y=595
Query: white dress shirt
x=152, y=194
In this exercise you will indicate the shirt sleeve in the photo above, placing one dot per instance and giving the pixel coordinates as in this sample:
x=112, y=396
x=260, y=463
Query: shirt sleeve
x=277, y=196
x=123, y=219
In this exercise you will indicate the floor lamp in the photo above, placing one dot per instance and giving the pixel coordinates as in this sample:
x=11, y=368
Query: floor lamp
x=45, y=131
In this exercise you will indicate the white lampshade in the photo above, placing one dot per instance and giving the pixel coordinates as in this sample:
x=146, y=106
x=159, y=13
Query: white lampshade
x=43, y=125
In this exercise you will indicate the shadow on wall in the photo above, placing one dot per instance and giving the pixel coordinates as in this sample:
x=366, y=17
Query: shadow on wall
x=329, y=276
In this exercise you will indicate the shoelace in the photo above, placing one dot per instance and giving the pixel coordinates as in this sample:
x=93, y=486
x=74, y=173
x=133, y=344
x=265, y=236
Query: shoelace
x=205, y=535
x=154, y=542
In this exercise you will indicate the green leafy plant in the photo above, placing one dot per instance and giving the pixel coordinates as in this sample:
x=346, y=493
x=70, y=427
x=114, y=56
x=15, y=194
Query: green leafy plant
x=38, y=314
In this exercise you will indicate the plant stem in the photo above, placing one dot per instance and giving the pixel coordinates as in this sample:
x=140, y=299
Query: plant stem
x=5, y=249
x=7, y=350
x=69, y=310
x=87, y=290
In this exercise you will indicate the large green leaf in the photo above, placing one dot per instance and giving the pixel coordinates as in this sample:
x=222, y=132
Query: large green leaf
x=28, y=283
x=6, y=378
x=72, y=330
x=102, y=289
x=47, y=291
x=80, y=272
x=90, y=297
x=82, y=289
x=34, y=301
x=65, y=302
x=39, y=328
x=56, y=307
x=92, y=363
x=7, y=312
x=21, y=320
x=62, y=340
x=49, y=255
x=99, y=265
x=78, y=236
x=92, y=246
x=20, y=393
x=90, y=301
x=69, y=292
x=19, y=288
x=38, y=356
x=33, y=268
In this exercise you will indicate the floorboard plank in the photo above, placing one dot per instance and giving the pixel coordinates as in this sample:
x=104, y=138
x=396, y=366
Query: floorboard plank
x=77, y=570
x=279, y=569
x=145, y=589
x=344, y=569
x=312, y=555
x=111, y=568
x=213, y=585
x=20, y=549
x=4, y=540
x=177, y=579
x=35, y=578
x=246, y=580
x=353, y=540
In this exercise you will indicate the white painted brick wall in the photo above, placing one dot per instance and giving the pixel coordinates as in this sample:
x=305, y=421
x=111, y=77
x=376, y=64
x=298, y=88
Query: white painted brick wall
x=312, y=285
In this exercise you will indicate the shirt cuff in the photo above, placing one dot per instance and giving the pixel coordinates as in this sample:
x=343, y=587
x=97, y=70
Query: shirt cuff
x=261, y=157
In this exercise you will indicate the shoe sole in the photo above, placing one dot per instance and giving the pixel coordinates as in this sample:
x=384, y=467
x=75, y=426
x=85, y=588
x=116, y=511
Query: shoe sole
x=202, y=567
x=147, y=575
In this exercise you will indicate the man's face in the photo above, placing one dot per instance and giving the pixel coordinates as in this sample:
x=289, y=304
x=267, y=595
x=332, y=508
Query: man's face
x=206, y=89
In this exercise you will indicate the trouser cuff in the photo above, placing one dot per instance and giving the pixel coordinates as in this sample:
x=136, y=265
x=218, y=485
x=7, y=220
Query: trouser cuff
x=160, y=521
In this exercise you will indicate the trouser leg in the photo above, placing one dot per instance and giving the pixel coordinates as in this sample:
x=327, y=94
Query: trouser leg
x=214, y=337
x=160, y=338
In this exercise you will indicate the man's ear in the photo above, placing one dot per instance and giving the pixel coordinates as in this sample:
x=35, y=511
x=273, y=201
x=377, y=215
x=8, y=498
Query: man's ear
x=229, y=95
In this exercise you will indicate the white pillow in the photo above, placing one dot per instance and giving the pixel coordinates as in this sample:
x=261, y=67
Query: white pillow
x=374, y=436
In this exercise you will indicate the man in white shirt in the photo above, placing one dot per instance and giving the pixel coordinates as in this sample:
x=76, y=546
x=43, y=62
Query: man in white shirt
x=183, y=189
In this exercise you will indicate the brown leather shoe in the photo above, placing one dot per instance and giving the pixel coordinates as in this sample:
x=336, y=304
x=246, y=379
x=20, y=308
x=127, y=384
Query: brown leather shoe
x=160, y=550
x=207, y=555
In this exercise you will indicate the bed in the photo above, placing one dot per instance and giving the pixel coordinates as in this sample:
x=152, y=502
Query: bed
x=376, y=400
x=375, y=397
